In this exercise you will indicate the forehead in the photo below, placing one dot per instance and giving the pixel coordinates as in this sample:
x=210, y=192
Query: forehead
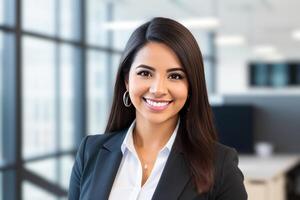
x=156, y=55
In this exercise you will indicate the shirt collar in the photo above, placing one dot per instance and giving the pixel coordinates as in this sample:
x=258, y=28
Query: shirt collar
x=128, y=141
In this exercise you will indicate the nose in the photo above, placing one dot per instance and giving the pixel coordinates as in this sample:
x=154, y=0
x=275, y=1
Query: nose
x=158, y=87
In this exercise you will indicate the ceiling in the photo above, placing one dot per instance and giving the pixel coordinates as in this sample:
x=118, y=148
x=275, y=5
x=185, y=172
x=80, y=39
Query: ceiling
x=260, y=22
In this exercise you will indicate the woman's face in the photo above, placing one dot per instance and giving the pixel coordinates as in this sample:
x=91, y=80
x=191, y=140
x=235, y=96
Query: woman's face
x=157, y=84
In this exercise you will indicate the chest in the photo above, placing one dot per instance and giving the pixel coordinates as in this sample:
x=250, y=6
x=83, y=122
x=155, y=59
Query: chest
x=138, y=176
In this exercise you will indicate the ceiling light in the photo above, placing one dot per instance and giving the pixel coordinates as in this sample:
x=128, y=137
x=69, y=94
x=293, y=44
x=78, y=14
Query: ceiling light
x=264, y=49
x=230, y=40
x=202, y=23
x=296, y=34
x=274, y=57
x=121, y=25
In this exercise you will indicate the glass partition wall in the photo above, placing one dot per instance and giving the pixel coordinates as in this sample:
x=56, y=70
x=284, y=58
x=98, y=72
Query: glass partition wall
x=54, y=69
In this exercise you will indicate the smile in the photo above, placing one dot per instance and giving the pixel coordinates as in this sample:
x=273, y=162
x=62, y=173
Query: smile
x=157, y=105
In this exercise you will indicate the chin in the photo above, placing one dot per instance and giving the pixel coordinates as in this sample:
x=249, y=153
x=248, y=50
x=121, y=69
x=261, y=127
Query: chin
x=158, y=118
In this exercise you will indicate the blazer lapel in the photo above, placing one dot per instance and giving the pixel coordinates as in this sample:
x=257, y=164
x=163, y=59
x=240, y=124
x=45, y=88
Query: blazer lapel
x=173, y=179
x=106, y=168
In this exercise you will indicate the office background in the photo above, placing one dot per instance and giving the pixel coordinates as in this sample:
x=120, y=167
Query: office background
x=58, y=59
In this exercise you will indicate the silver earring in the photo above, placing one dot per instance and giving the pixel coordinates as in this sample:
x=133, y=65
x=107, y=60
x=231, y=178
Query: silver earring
x=126, y=99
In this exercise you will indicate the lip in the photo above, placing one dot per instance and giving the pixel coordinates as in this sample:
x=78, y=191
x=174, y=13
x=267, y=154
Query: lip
x=157, y=108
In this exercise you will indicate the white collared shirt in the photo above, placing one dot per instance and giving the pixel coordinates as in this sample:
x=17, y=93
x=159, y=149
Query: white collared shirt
x=127, y=184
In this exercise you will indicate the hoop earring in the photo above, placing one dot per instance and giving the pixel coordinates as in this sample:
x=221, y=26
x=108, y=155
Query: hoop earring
x=126, y=99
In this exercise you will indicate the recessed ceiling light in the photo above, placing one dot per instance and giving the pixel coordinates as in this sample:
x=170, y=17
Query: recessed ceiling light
x=121, y=25
x=230, y=40
x=202, y=23
x=274, y=57
x=264, y=49
x=296, y=34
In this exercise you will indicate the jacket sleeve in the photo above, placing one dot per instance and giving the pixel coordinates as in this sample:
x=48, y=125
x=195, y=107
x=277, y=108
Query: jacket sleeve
x=74, y=185
x=231, y=184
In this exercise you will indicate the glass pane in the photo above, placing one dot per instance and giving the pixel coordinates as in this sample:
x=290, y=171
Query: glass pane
x=7, y=15
x=54, y=170
x=1, y=11
x=38, y=97
x=48, y=101
x=69, y=19
x=66, y=164
x=97, y=91
x=47, y=169
x=205, y=42
x=39, y=16
x=67, y=97
x=208, y=70
x=115, y=65
x=261, y=74
x=7, y=183
x=96, y=15
x=31, y=192
x=7, y=81
x=120, y=38
x=279, y=75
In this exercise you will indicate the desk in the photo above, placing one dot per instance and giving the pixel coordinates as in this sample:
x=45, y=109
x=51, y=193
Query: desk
x=265, y=177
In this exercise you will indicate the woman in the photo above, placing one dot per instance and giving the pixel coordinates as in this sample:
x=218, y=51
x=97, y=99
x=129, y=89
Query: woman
x=160, y=141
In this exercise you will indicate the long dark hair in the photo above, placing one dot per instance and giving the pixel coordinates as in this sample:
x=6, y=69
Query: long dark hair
x=196, y=134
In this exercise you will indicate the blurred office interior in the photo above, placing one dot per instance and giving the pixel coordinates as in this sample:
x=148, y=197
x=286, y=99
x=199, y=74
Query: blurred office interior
x=58, y=59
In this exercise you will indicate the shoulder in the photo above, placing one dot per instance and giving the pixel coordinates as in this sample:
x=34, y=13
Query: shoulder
x=91, y=144
x=223, y=154
x=228, y=177
x=226, y=159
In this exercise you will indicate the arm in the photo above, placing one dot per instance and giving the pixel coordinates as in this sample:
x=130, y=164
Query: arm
x=231, y=184
x=74, y=186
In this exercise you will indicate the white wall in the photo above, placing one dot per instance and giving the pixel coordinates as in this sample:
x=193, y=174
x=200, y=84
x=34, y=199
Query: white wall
x=232, y=69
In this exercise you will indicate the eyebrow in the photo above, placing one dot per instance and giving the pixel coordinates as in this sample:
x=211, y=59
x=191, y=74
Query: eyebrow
x=153, y=69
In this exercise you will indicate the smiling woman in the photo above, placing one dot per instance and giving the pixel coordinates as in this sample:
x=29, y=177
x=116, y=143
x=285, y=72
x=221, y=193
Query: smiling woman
x=160, y=141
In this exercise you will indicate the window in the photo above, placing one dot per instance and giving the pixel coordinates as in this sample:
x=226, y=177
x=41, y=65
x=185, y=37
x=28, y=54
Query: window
x=7, y=12
x=97, y=84
x=52, y=17
x=39, y=95
x=97, y=14
x=60, y=65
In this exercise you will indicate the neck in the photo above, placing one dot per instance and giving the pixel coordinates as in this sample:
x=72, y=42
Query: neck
x=153, y=136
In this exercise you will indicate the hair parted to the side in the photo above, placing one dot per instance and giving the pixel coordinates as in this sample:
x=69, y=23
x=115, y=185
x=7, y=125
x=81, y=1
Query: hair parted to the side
x=196, y=134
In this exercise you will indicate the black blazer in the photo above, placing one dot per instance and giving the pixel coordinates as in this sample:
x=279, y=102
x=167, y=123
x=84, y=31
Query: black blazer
x=99, y=156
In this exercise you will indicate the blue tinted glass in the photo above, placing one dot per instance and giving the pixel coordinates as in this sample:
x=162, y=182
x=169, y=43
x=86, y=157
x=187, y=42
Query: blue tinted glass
x=39, y=16
x=69, y=22
x=95, y=19
x=39, y=94
x=279, y=75
x=97, y=84
x=261, y=74
x=7, y=16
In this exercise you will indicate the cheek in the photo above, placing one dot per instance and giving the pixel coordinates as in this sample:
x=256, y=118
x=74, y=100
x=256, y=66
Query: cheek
x=137, y=88
x=180, y=92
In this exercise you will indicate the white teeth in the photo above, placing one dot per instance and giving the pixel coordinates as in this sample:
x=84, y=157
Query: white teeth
x=157, y=104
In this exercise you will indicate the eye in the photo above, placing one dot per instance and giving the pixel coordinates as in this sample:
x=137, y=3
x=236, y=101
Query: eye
x=144, y=73
x=176, y=76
